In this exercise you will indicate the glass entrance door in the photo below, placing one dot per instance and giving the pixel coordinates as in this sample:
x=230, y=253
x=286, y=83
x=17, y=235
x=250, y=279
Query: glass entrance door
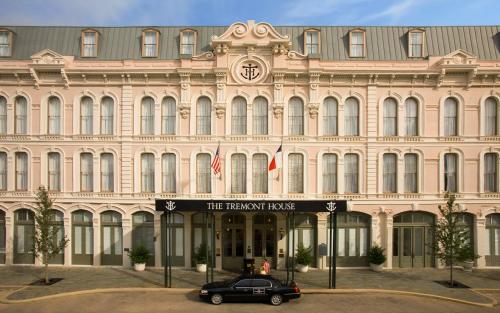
x=233, y=241
x=412, y=240
x=264, y=239
x=111, y=238
x=23, y=237
x=83, y=238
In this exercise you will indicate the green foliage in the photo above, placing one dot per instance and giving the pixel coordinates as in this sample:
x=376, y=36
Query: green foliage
x=139, y=255
x=200, y=254
x=46, y=241
x=376, y=255
x=466, y=254
x=303, y=255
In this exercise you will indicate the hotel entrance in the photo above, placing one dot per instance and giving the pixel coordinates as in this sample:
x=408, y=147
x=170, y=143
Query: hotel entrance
x=264, y=239
x=233, y=241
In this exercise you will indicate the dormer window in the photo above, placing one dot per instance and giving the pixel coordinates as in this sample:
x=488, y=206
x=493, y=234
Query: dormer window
x=188, y=42
x=89, y=43
x=415, y=43
x=311, y=41
x=150, y=43
x=357, y=44
x=5, y=43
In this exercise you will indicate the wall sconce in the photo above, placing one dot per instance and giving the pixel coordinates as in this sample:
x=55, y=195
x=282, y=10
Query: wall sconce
x=217, y=234
x=282, y=233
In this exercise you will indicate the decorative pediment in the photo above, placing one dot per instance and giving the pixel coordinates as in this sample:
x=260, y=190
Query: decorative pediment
x=251, y=34
x=47, y=57
x=460, y=58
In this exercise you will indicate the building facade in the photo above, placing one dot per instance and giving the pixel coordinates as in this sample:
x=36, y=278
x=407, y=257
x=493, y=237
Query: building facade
x=110, y=118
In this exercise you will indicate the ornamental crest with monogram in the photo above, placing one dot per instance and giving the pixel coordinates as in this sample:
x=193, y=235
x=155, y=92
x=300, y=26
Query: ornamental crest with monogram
x=249, y=71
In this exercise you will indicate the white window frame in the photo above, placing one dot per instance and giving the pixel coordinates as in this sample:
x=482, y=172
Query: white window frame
x=362, y=45
x=155, y=46
x=411, y=43
x=8, y=47
x=183, y=46
x=308, y=45
x=94, y=47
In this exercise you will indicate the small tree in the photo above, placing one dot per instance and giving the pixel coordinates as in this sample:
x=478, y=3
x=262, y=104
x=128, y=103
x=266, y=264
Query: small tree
x=450, y=237
x=46, y=241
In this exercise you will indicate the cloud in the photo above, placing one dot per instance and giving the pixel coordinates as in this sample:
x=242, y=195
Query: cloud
x=307, y=9
x=393, y=12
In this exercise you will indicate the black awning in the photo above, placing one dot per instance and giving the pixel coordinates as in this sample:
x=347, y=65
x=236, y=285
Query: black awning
x=254, y=206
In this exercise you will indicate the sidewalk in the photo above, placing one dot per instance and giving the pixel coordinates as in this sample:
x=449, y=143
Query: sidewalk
x=348, y=280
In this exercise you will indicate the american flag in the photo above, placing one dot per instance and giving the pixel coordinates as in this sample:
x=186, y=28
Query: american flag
x=216, y=161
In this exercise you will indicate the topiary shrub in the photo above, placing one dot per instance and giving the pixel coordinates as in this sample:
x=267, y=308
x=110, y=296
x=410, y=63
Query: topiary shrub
x=303, y=255
x=139, y=255
x=376, y=255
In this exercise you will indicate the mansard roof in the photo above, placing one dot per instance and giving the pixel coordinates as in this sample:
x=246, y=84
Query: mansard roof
x=387, y=43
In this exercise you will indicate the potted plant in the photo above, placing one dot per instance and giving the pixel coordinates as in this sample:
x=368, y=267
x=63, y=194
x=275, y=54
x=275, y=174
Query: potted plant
x=139, y=256
x=303, y=258
x=376, y=257
x=467, y=256
x=200, y=257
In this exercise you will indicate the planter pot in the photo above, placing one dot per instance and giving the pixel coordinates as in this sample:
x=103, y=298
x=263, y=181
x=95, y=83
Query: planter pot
x=376, y=267
x=301, y=268
x=201, y=268
x=139, y=267
x=468, y=266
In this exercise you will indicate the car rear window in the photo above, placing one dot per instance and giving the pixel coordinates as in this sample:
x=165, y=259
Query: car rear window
x=244, y=283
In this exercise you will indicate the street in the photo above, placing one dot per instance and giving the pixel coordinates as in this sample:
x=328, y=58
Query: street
x=160, y=302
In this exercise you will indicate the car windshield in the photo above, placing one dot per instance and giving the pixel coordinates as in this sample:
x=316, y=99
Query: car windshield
x=231, y=281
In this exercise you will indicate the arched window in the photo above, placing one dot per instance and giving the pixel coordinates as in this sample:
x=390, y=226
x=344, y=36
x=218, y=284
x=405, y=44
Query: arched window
x=353, y=238
x=107, y=116
x=490, y=172
x=107, y=172
x=143, y=234
x=82, y=241
x=351, y=117
x=147, y=172
x=351, y=170
x=490, y=117
x=3, y=171
x=147, y=116
x=54, y=116
x=411, y=117
x=54, y=171
x=112, y=238
x=3, y=116
x=203, y=174
x=295, y=173
x=21, y=115
x=451, y=172
x=239, y=116
x=238, y=173
x=168, y=116
x=168, y=172
x=24, y=230
x=21, y=171
x=329, y=173
x=86, y=172
x=86, y=116
x=390, y=172
x=259, y=173
x=296, y=117
x=204, y=116
x=330, y=112
x=260, y=116
x=390, y=117
x=450, y=117
x=411, y=172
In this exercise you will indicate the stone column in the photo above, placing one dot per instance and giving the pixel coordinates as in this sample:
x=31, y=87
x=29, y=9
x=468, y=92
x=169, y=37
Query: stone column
x=157, y=238
x=482, y=243
x=322, y=236
x=388, y=248
x=127, y=109
x=67, y=249
x=9, y=238
x=127, y=240
x=97, y=239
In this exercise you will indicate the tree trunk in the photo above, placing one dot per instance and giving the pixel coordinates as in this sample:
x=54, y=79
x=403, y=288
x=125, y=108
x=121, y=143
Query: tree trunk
x=451, y=271
x=46, y=263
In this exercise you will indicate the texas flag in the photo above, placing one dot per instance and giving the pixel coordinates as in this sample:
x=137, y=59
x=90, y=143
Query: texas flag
x=276, y=161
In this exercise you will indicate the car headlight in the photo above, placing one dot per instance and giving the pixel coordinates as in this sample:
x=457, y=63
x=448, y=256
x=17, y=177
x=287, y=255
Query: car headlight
x=203, y=292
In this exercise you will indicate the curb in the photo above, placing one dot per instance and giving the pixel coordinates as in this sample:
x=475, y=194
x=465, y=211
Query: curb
x=493, y=302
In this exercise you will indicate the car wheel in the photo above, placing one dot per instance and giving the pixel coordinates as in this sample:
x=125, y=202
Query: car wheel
x=216, y=299
x=276, y=299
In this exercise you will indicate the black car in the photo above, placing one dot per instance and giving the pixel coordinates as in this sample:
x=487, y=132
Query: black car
x=254, y=288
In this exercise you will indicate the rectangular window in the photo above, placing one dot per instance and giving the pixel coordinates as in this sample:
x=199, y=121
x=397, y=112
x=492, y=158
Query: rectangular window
x=352, y=241
x=86, y=116
x=312, y=42
x=203, y=174
x=390, y=173
x=147, y=172
x=260, y=116
x=21, y=171
x=5, y=43
x=107, y=119
x=490, y=172
x=238, y=173
x=260, y=173
x=147, y=116
x=188, y=42
x=411, y=117
x=450, y=172
x=490, y=117
x=3, y=171
x=54, y=173
x=21, y=115
x=295, y=173
x=411, y=173
x=168, y=116
x=351, y=173
x=329, y=173
x=416, y=44
x=239, y=116
x=107, y=172
x=54, y=116
x=3, y=116
x=341, y=242
x=86, y=172
x=89, y=44
x=363, y=241
x=357, y=44
x=168, y=172
x=149, y=44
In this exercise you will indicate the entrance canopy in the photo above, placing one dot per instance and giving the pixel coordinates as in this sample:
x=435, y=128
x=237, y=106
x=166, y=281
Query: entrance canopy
x=255, y=206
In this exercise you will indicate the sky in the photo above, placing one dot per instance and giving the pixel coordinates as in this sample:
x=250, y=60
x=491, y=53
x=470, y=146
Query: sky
x=226, y=12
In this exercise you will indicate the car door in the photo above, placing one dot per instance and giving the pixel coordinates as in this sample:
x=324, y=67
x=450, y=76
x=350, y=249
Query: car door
x=241, y=291
x=261, y=289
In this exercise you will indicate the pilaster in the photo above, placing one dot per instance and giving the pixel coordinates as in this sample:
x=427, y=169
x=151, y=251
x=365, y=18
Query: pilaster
x=371, y=129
